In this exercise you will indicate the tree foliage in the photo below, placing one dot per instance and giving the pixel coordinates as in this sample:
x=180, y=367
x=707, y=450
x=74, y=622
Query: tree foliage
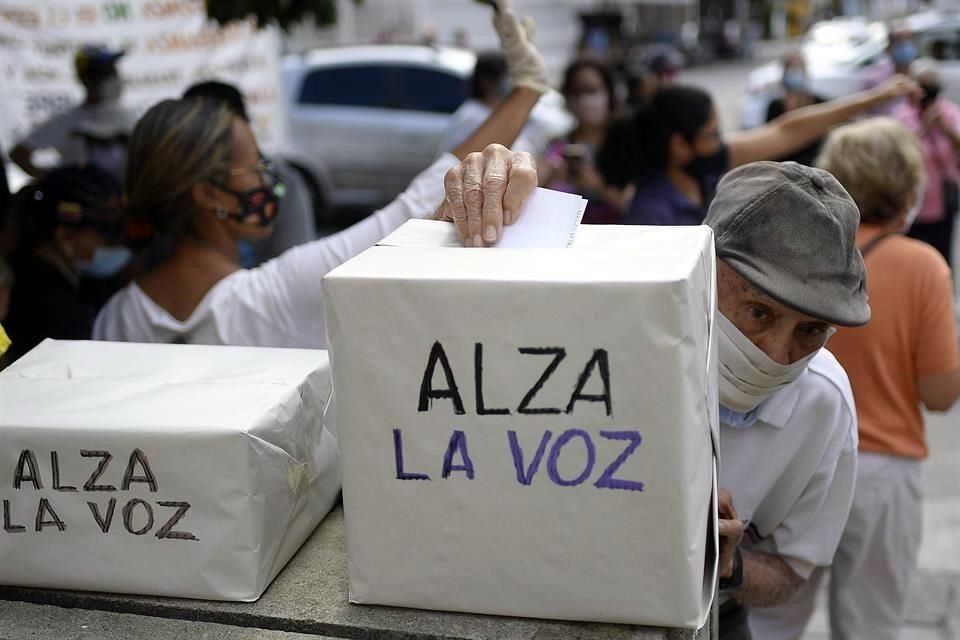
x=285, y=13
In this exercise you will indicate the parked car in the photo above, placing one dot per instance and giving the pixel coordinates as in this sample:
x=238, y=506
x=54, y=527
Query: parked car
x=363, y=121
x=938, y=36
x=838, y=54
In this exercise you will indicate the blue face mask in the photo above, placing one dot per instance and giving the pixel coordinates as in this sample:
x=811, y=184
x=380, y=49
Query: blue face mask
x=106, y=262
x=794, y=80
x=903, y=53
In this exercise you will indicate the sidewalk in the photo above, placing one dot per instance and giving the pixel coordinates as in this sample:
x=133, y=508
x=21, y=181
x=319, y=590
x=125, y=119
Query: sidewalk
x=933, y=611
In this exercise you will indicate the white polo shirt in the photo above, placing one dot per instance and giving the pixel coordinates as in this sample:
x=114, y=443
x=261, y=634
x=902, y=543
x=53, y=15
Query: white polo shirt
x=792, y=473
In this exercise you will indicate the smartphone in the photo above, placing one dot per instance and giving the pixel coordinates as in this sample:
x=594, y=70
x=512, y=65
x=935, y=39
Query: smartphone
x=576, y=155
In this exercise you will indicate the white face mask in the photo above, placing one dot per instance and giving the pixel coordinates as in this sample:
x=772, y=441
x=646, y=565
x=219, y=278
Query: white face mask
x=748, y=376
x=592, y=108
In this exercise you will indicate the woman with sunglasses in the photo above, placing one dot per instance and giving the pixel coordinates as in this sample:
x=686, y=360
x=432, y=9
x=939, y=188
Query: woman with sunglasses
x=195, y=176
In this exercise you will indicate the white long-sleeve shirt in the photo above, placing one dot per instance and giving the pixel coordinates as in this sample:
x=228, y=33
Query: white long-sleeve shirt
x=280, y=303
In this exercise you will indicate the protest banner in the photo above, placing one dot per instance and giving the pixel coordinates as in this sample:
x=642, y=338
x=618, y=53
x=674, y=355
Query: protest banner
x=530, y=432
x=170, y=470
x=170, y=45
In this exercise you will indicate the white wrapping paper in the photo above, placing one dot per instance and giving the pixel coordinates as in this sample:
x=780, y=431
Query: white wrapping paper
x=530, y=432
x=162, y=469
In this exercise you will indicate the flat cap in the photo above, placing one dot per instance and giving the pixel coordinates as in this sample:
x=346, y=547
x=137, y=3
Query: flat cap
x=791, y=231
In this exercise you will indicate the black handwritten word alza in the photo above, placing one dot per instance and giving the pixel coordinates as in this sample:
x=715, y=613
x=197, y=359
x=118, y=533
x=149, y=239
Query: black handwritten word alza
x=598, y=362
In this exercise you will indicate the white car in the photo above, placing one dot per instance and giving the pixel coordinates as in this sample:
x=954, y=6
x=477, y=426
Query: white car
x=363, y=121
x=938, y=36
x=838, y=54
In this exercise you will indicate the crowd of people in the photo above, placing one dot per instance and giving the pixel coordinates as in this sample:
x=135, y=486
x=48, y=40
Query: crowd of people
x=177, y=229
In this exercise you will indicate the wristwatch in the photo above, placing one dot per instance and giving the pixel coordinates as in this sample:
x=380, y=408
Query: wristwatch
x=736, y=576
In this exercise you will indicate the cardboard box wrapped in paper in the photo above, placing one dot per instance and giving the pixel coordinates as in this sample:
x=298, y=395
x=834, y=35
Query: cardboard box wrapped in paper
x=530, y=432
x=167, y=470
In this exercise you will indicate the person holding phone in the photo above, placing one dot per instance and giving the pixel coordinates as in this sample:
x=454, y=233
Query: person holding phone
x=935, y=120
x=588, y=87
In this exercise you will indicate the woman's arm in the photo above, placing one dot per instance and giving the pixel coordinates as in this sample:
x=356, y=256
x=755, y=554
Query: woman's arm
x=528, y=76
x=504, y=124
x=796, y=129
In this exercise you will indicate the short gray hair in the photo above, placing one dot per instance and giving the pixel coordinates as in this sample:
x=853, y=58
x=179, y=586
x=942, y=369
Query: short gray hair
x=878, y=161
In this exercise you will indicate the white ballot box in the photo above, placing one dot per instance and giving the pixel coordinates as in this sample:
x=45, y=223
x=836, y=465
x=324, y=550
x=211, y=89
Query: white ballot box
x=167, y=470
x=530, y=432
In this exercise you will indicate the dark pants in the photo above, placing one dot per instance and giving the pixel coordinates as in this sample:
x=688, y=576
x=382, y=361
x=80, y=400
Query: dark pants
x=938, y=235
x=733, y=622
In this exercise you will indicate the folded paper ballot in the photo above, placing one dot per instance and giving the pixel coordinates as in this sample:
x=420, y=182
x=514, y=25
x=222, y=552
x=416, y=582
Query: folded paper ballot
x=549, y=221
x=171, y=470
x=530, y=432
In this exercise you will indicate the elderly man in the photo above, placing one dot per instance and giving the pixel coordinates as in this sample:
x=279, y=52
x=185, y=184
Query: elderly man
x=788, y=270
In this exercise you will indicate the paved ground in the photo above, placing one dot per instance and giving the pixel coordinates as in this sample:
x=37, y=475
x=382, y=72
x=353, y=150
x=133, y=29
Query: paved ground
x=933, y=612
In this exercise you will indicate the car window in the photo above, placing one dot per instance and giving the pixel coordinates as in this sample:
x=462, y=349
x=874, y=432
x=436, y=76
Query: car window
x=940, y=45
x=347, y=86
x=422, y=89
x=408, y=88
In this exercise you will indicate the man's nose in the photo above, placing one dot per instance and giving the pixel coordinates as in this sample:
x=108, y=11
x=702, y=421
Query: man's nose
x=777, y=346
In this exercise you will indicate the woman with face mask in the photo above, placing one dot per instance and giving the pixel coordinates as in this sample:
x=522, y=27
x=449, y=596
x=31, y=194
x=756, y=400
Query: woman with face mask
x=935, y=120
x=905, y=359
x=674, y=154
x=796, y=94
x=569, y=164
x=67, y=225
x=196, y=178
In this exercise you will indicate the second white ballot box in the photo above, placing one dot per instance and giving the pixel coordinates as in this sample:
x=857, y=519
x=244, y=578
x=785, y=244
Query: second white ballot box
x=530, y=432
x=171, y=470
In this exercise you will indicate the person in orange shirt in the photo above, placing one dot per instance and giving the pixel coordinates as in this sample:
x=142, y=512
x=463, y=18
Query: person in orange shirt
x=907, y=356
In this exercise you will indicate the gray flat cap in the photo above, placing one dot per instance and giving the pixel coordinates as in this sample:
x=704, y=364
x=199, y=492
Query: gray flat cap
x=791, y=231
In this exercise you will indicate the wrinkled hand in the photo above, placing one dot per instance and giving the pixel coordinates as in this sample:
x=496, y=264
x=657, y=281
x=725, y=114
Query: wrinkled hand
x=526, y=65
x=897, y=87
x=730, y=530
x=485, y=192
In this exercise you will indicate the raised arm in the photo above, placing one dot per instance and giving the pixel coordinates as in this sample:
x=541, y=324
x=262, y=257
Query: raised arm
x=528, y=75
x=798, y=128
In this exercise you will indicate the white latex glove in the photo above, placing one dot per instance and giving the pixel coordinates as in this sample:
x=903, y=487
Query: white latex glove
x=524, y=62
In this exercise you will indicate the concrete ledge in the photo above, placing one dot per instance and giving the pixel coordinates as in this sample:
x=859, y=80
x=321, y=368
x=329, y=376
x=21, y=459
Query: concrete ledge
x=310, y=597
x=19, y=620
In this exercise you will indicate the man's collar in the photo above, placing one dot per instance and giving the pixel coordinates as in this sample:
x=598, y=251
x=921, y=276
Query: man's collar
x=778, y=409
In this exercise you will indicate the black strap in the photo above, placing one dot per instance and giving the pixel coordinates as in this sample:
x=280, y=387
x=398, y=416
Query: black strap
x=875, y=240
